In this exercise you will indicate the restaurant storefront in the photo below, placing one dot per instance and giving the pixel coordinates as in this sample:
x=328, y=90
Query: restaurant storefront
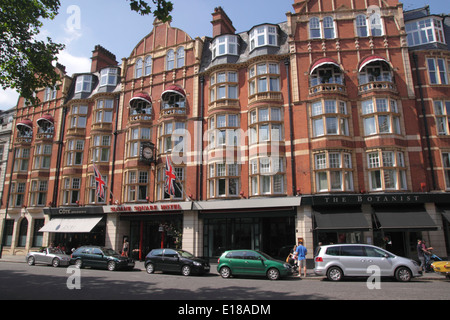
x=391, y=221
x=70, y=228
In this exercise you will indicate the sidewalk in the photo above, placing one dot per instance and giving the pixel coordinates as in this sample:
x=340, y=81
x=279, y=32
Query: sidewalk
x=310, y=272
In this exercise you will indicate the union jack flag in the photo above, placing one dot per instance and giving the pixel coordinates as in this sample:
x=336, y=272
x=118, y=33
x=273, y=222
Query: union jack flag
x=170, y=178
x=100, y=184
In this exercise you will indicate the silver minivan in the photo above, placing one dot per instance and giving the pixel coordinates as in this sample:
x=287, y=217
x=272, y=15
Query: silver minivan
x=357, y=260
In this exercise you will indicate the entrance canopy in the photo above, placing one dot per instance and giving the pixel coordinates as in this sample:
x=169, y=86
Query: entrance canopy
x=419, y=220
x=341, y=221
x=71, y=225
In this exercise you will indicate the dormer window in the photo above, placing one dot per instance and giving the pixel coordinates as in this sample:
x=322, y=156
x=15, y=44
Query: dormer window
x=224, y=45
x=424, y=31
x=108, y=77
x=263, y=36
x=83, y=84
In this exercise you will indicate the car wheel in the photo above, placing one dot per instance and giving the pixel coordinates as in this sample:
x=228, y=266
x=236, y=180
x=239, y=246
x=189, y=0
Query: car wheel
x=79, y=263
x=111, y=266
x=273, y=274
x=31, y=261
x=335, y=274
x=150, y=268
x=225, y=272
x=186, y=270
x=56, y=262
x=403, y=274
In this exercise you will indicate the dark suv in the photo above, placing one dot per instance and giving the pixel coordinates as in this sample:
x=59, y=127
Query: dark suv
x=100, y=257
x=172, y=260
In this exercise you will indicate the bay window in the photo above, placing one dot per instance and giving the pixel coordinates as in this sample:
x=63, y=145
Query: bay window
x=333, y=171
x=380, y=115
x=387, y=170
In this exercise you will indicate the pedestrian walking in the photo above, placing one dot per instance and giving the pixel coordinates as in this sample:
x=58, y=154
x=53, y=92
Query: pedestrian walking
x=301, y=253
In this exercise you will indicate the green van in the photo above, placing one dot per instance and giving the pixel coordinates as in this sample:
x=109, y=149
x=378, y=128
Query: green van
x=251, y=262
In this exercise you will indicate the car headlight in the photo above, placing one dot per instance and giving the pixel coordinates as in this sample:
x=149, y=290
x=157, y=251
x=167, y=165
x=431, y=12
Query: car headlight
x=198, y=264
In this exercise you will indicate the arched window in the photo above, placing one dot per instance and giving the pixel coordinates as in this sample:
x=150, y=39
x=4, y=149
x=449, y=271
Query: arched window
x=148, y=65
x=170, y=60
x=328, y=28
x=180, y=57
x=314, y=28
x=361, y=26
x=138, y=68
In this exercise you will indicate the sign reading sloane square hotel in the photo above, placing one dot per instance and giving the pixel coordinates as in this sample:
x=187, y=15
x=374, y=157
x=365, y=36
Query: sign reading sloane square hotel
x=149, y=207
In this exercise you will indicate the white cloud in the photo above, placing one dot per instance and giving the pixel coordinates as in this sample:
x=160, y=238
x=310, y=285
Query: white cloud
x=8, y=99
x=74, y=64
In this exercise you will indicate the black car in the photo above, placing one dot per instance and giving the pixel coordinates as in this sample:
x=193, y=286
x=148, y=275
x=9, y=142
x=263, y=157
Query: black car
x=172, y=260
x=100, y=257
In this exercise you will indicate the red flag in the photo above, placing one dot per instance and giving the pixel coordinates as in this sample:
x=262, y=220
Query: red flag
x=100, y=184
x=170, y=178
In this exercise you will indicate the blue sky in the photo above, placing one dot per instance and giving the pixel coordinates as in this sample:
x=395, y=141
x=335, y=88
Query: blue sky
x=82, y=24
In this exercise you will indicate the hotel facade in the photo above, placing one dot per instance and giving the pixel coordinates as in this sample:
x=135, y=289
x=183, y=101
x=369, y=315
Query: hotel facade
x=331, y=127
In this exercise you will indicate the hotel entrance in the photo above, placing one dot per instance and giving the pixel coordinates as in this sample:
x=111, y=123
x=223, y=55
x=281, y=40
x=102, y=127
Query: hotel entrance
x=155, y=231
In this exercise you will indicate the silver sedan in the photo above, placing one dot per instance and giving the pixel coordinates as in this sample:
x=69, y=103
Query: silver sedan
x=50, y=256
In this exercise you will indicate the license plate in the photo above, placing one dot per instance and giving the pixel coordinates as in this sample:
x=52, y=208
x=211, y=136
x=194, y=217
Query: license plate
x=206, y=268
x=130, y=264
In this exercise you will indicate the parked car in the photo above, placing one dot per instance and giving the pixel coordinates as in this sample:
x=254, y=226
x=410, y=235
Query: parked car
x=251, y=262
x=172, y=260
x=50, y=256
x=353, y=260
x=100, y=257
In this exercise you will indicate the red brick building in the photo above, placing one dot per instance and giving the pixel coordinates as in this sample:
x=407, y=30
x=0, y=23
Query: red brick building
x=310, y=128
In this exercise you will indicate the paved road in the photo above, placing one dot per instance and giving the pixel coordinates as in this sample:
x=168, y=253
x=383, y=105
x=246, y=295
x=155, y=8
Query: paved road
x=20, y=281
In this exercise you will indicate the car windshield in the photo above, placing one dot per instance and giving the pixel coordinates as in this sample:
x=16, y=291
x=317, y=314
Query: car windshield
x=265, y=255
x=109, y=252
x=185, y=254
x=55, y=251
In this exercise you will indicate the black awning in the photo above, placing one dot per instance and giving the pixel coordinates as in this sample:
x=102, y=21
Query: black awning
x=341, y=221
x=412, y=220
x=446, y=214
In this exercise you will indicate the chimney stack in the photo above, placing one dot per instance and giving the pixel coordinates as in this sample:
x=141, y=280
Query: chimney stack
x=102, y=58
x=221, y=23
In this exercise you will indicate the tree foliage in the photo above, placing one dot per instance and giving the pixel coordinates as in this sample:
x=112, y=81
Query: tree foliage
x=27, y=64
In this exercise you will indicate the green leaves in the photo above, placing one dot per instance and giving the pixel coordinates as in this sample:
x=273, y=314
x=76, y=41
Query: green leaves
x=162, y=11
x=26, y=64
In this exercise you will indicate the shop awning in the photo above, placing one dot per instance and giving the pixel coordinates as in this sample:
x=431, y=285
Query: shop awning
x=174, y=89
x=321, y=62
x=446, y=215
x=371, y=59
x=419, y=220
x=341, y=221
x=71, y=225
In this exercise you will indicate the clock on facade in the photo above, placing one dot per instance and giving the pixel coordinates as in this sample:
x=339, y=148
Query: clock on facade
x=147, y=152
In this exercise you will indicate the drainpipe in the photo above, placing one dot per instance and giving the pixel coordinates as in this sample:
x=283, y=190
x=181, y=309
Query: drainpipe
x=202, y=106
x=59, y=157
x=425, y=122
x=115, y=133
x=291, y=125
